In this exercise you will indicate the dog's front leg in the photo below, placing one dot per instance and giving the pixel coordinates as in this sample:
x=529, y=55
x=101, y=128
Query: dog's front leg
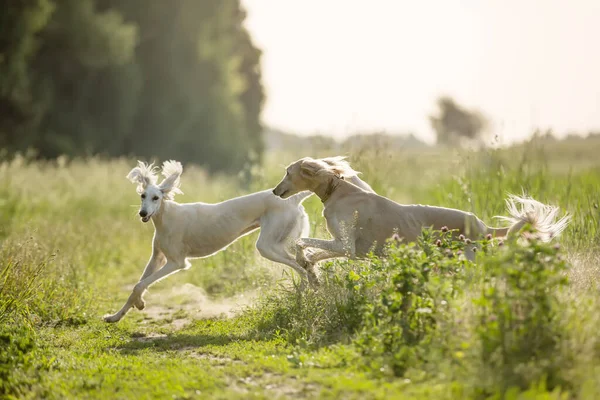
x=333, y=248
x=336, y=248
x=116, y=317
x=156, y=262
x=320, y=255
x=139, y=289
x=308, y=267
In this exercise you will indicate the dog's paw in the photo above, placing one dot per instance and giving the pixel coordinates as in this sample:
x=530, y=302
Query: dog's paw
x=111, y=318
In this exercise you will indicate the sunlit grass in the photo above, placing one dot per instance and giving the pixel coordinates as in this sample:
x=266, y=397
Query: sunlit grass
x=72, y=247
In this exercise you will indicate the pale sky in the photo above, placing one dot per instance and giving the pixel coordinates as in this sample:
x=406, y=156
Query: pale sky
x=340, y=66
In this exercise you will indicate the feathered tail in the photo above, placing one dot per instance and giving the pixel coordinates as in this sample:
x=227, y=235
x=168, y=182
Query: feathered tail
x=525, y=210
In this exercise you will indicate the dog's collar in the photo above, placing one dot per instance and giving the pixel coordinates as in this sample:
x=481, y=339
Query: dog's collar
x=330, y=188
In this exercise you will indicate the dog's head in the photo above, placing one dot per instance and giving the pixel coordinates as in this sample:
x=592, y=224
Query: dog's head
x=151, y=193
x=304, y=174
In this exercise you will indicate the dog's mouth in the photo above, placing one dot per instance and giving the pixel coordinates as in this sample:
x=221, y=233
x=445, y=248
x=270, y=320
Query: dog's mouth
x=146, y=218
x=283, y=195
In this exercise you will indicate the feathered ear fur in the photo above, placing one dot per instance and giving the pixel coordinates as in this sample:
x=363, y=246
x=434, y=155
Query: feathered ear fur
x=310, y=166
x=143, y=175
x=331, y=165
x=172, y=171
x=340, y=167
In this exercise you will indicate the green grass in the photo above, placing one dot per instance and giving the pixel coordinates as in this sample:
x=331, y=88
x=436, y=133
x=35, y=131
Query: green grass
x=232, y=327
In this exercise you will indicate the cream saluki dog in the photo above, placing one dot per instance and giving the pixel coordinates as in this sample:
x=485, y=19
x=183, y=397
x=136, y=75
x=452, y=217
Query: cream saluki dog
x=195, y=230
x=360, y=221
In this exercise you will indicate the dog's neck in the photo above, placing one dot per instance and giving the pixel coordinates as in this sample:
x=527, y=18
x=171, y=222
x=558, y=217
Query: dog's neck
x=325, y=189
x=157, y=217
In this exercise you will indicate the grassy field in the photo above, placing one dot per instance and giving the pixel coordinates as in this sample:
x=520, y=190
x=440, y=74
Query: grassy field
x=521, y=323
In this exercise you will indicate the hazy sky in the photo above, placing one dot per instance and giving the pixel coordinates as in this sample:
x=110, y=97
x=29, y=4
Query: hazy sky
x=338, y=66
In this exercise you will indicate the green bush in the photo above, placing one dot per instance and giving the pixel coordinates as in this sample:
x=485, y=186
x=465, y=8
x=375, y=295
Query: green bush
x=518, y=324
x=388, y=307
x=414, y=287
x=425, y=310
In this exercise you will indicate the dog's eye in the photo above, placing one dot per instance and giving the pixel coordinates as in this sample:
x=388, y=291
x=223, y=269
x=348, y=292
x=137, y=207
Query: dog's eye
x=155, y=198
x=143, y=196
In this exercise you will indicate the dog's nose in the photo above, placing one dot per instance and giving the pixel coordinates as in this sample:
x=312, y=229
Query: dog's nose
x=143, y=213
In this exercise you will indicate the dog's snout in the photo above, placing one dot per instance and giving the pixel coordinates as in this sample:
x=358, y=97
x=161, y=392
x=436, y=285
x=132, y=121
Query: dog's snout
x=143, y=213
x=274, y=192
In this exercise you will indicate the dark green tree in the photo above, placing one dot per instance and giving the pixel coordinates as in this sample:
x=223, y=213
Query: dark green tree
x=83, y=80
x=202, y=92
x=148, y=78
x=20, y=22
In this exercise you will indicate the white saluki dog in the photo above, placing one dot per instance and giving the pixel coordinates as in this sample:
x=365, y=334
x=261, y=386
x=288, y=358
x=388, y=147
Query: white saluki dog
x=195, y=230
x=360, y=221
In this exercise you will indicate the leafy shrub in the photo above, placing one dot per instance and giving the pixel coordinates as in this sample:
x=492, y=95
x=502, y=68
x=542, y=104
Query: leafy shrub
x=517, y=314
x=388, y=307
x=408, y=313
x=414, y=285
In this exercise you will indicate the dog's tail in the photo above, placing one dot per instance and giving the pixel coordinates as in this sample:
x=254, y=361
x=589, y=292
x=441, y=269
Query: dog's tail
x=525, y=210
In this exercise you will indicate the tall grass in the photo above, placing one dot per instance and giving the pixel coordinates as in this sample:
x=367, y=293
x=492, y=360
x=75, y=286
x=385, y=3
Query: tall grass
x=71, y=245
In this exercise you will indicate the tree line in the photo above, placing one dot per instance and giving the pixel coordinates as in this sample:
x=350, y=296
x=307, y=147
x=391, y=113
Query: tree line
x=171, y=79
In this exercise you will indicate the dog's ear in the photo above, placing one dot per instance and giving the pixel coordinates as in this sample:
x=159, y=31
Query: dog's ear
x=172, y=171
x=309, y=167
x=142, y=175
x=135, y=176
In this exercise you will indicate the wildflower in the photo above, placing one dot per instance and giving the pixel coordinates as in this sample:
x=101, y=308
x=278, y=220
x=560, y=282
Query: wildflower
x=488, y=236
x=438, y=243
x=468, y=241
x=474, y=249
x=461, y=237
x=500, y=243
x=444, y=229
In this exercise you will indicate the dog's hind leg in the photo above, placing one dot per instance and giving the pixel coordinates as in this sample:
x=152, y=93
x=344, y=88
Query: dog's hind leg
x=279, y=231
x=277, y=253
